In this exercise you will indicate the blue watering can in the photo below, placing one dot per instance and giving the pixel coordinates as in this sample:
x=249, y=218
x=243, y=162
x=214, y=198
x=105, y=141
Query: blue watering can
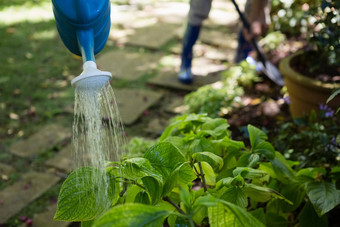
x=84, y=26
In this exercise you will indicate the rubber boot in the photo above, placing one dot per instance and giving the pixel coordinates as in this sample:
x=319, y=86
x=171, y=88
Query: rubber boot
x=191, y=35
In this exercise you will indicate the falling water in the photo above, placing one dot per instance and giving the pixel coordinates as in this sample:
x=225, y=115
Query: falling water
x=97, y=134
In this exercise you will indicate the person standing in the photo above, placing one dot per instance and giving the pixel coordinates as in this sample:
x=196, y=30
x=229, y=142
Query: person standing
x=256, y=12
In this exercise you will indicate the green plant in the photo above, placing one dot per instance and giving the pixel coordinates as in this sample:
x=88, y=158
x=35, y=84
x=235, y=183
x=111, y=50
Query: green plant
x=322, y=134
x=136, y=147
x=293, y=17
x=221, y=97
x=335, y=93
x=198, y=176
x=325, y=38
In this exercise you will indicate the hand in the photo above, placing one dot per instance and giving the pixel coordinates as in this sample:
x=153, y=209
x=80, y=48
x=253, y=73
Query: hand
x=255, y=30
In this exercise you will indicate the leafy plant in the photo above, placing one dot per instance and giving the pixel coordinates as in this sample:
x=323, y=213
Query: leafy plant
x=293, y=17
x=222, y=96
x=198, y=176
x=322, y=134
x=325, y=38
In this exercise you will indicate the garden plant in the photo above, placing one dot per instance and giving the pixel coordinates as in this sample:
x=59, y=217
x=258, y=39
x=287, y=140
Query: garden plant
x=196, y=175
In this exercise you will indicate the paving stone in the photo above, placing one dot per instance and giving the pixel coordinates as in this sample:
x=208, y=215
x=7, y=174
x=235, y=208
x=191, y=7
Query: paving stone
x=6, y=169
x=169, y=79
x=219, y=38
x=17, y=196
x=209, y=52
x=128, y=65
x=154, y=36
x=176, y=106
x=46, y=218
x=63, y=160
x=45, y=138
x=132, y=103
x=157, y=125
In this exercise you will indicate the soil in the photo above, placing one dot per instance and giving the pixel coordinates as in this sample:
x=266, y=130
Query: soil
x=304, y=64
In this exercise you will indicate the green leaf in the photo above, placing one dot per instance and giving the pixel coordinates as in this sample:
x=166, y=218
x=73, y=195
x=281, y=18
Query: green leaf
x=136, y=168
x=309, y=218
x=186, y=174
x=215, y=161
x=209, y=174
x=266, y=149
x=259, y=214
x=323, y=195
x=262, y=194
x=142, y=197
x=228, y=214
x=236, y=196
x=153, y=187
x=132, y=215
x=334, y=93
x=258, y=143
x=84, y=195
x=256, y=136
x=201, y=145
x=216, y=128
x=165, y=158
x=182, y=175
x=235, y=147
x=293, y=192
x=282, y=169
x=276, y=220
x=131, y=193
x=249, y=173
x=185, y=197
x=87, y=223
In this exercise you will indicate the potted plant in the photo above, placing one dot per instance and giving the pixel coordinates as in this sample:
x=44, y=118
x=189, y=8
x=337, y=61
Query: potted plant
x=312, y=74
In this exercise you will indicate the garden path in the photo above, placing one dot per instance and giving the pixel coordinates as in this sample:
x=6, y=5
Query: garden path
x=144, y=57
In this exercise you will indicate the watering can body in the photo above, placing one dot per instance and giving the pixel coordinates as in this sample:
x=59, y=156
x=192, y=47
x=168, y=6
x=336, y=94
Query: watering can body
x=83, y=25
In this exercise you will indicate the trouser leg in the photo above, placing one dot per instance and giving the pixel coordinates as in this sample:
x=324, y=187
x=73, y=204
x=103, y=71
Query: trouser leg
x=199, y=11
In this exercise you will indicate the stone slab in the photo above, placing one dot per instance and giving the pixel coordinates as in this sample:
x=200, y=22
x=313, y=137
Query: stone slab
x=128, y=65
x=154, y=36
x=217, y=38
x=207, y=51
x=63, y=160
x=176, y=106
x=169, y=80
x=46, y=218
x=132, y=103
x=17, y=196
x=157, y=126
x=44, y=139
x=6, y=169
x=201, y=66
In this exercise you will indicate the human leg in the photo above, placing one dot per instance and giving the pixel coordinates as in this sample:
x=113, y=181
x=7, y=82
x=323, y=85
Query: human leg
x=199, y=11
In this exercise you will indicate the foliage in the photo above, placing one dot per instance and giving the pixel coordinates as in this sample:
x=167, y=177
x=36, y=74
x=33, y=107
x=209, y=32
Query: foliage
x=198, y=176
x=325, y=38
x=293, y=17
x=220, y=97
x=136, y=147
x=335, y=93
x=322, y=134
x=272, y=41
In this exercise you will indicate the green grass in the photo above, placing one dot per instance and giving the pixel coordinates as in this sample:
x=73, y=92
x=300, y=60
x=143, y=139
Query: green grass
x=35, y=72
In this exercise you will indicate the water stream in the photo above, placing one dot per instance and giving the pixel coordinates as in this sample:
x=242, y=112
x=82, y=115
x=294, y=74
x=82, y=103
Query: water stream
x=97, y=134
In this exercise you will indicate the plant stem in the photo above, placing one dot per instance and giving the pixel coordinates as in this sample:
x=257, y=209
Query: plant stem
x=167, y=199
x=202, y=176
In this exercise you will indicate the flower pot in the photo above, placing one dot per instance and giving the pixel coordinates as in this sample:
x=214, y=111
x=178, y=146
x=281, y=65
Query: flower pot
x=305, y=93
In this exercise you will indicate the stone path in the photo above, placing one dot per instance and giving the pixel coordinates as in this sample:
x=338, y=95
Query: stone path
x=144, y=62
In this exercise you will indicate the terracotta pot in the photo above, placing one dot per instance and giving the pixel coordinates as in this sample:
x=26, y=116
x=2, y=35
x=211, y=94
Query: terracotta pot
x=305, y=93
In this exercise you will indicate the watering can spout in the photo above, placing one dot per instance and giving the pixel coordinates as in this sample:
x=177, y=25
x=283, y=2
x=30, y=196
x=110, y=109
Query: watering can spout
x=84, y=26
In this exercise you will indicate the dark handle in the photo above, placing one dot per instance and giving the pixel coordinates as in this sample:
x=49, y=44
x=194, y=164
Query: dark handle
x=244, y=20
x=247, y=26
